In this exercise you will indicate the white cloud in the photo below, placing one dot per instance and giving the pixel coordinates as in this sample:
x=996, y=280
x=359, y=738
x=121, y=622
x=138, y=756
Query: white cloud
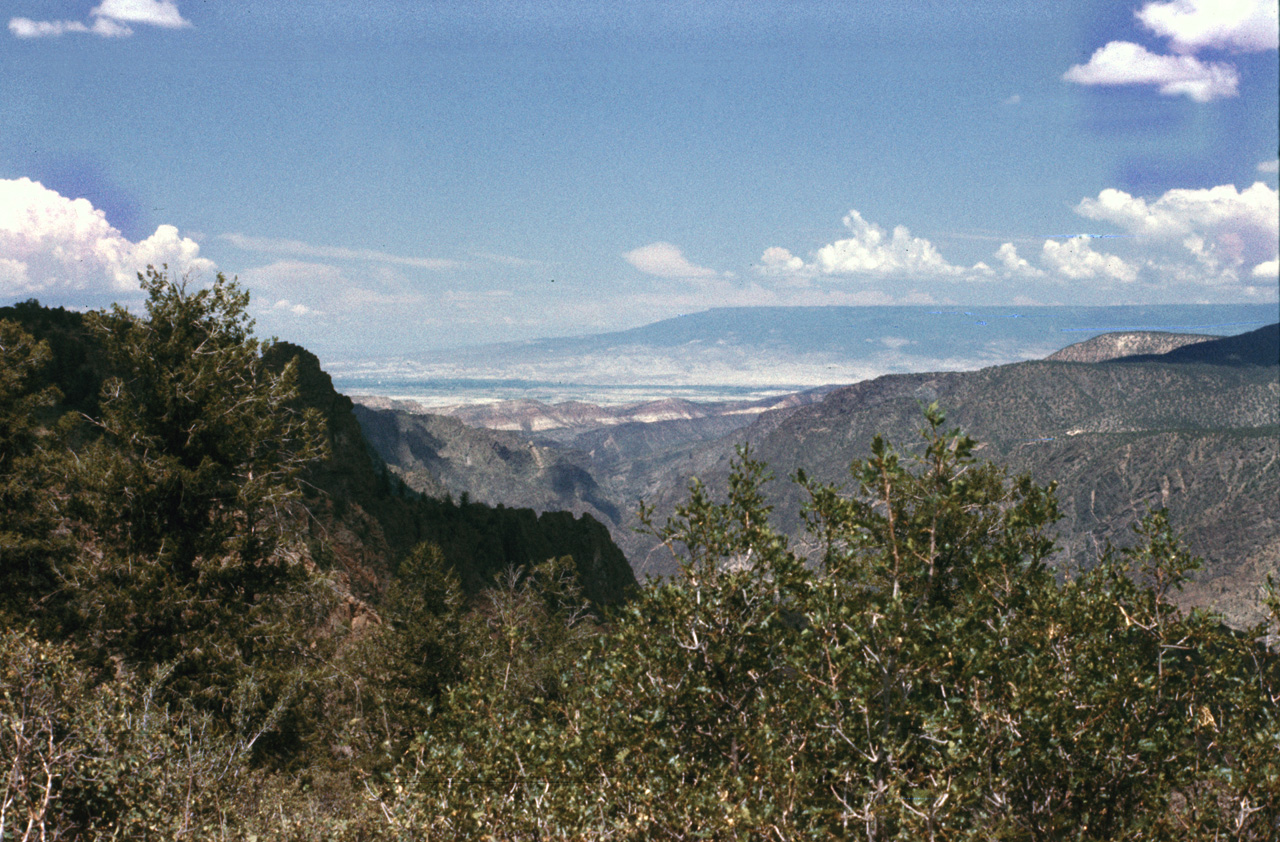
x=111, y=19
x=49, y=243
x=270, y=245
x=1224, y=228
x=152, y=12
x=1269, y=269
x=666, y=261
x=1125, y=63
x=1076, y=260
x=871, y=251
x=1269, y=166
x=508, y=260
x=1247, y=26
x=315, y=289
x=778, y=261
x=27, y=28
x=1015, y=265
x=294, y=278
x=1013, y=99
x=110, y=28
x=288, y=306
x=1244, y=26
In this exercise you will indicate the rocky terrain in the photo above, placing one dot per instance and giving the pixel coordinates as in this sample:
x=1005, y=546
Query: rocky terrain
x=563, y=422
x=1198, y=435
x=1110, y=346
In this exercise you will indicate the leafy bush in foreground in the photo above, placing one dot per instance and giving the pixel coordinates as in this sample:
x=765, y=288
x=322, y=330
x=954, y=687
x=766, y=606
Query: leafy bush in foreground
x=929, y=678
x=172, y=665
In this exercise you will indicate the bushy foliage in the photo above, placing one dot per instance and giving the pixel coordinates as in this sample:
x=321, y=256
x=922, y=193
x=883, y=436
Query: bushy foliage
x=185, y=502
x=27, y=511
x=90, y=759
x=173, y=664
x=927, y=677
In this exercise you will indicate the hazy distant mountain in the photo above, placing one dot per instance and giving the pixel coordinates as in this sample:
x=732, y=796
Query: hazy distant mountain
x=1257, y=347
x=743, y=353
x=1202, y=439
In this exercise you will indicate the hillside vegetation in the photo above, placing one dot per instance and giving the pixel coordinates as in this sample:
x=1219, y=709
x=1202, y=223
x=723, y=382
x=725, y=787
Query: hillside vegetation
x=1119, y=438
x=219, y=619
x=1196, y=430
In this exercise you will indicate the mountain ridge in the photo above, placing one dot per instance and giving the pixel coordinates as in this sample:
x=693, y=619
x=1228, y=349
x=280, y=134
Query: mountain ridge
x=1119, y=435
x=733, y=353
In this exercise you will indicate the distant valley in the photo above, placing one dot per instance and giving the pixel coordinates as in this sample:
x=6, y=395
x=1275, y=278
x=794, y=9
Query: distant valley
x=751, y=353
x=1193, y=425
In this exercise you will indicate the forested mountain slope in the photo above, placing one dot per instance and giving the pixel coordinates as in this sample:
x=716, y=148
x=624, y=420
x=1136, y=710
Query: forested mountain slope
x=182, y=653
x=1118, y=438
x=366, y=517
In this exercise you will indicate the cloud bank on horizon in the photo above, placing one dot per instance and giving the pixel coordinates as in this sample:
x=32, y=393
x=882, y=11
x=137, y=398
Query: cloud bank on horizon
x=329, y=261
x=1190, y=241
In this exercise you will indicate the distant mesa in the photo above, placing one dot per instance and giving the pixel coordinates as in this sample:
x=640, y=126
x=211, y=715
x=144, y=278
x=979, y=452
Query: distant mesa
x=1257, y=347
x=1111, y=346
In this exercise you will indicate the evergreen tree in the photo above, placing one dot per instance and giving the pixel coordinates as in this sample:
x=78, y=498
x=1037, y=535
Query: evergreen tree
x=189, y=497
x=27, y=508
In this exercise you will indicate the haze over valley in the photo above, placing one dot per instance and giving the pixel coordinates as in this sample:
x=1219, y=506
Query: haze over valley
x=1123, y=421
x=759, y=352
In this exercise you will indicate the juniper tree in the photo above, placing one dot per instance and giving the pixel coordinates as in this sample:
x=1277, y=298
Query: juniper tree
x=27, y=516
x=189, y=497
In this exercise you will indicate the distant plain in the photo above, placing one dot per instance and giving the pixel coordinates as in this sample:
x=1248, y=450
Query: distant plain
x=734, y=354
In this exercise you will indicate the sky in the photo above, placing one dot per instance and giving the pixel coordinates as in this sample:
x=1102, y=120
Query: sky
x=405, y=177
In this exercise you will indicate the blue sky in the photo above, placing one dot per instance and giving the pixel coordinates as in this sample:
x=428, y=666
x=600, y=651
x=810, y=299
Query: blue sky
x=411, y=176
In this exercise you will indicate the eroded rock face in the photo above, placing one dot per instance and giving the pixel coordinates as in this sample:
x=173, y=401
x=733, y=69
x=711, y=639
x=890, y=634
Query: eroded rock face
x=1112, y=346
x=1199, y=436
x=1119, y=439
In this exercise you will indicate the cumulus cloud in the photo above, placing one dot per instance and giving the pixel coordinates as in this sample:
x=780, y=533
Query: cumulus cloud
x=111, y=19
x=1125, y=63
x=1269, y=269
x=269, y=245
x=666, y=261
x=1269, y=166
x=872, y=251
x=778, y=261
x=1241, y=26
x=151, y=12
x=1076, y=260
x=1246, y=26
x=871, y=256
x=1223, y=227
x=1015, y=265
x=51, y=244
